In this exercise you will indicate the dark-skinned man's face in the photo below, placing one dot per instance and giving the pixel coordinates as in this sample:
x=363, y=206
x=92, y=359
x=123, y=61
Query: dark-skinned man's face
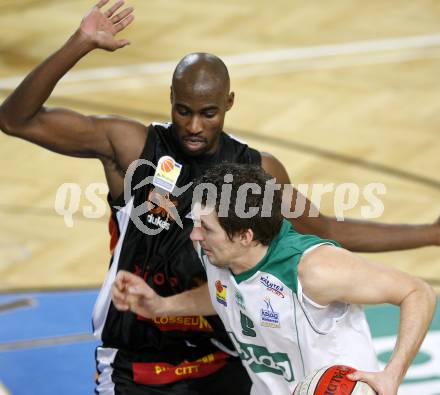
x=198, y=113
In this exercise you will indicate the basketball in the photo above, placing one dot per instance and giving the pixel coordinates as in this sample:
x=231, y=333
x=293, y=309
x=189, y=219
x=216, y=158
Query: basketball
x=167, y=165
x=331, y=380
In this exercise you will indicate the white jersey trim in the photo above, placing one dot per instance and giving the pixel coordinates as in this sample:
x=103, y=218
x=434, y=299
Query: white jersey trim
x=223, y=348
x=165, y=125
x=303, y=297
x=105, y=357
x=103, y=300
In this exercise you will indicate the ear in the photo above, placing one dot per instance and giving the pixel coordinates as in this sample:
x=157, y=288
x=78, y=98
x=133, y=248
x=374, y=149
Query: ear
x=246, y=237
x=171, y=94
x=230, y=101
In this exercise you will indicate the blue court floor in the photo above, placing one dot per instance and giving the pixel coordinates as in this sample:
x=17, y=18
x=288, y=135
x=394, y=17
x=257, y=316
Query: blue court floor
x=46, y=347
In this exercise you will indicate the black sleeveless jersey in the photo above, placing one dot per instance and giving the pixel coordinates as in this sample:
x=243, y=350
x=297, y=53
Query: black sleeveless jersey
x=166, y=260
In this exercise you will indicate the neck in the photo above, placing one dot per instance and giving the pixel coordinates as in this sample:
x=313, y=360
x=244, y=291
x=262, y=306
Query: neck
x=249, y=259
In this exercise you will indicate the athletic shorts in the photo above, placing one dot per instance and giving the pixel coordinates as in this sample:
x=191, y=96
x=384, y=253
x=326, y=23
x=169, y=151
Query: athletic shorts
x=217, y=373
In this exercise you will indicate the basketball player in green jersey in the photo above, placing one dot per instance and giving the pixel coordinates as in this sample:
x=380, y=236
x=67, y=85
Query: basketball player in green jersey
x=290, y=302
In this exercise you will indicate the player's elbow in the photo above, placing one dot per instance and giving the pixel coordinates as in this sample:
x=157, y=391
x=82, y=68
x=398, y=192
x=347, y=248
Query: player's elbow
x=5, y=127
x=7, y=124
x=430, y=298
x=430, y=295
x=425, y=294
x=14, y=123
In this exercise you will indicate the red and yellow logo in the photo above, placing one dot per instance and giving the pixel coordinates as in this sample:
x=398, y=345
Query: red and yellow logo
x=163, y=373
x=167, y=165
x=220, y=293
x=160, y=204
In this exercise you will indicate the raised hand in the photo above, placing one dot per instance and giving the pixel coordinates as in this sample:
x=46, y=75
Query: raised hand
x=101, y=26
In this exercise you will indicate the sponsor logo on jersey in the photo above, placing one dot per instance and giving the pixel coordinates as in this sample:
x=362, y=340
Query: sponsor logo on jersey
x=182, y=323
x=220, y=293
x=239, y=300
x=161, y=208
x=153, y=220
x=247, y=325
x=166, y=174
x=160, y=186
x=269, y=317
x=259, y=359
x=164, y=373
x=277, y=289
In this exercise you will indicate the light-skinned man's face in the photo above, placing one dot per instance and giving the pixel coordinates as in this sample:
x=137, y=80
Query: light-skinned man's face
x=221, y=251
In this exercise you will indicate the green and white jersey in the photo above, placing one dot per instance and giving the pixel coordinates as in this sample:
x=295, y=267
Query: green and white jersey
x=279, y=333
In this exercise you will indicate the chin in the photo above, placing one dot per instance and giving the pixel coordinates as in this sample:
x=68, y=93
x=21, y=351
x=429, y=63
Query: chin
x=187, y=150
x=192, y=152
x=219, y=265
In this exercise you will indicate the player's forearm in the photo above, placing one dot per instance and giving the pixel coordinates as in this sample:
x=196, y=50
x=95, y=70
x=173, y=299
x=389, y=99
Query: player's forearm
x=193, y=302
x=416, y=312
x=28, y=98
x=368, y=236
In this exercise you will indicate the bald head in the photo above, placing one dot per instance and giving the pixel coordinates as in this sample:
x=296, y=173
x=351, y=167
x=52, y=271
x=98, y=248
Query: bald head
x=201, y=73
x=200, y=98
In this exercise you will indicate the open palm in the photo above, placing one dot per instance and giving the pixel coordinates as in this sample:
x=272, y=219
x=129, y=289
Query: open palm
x=102, y=26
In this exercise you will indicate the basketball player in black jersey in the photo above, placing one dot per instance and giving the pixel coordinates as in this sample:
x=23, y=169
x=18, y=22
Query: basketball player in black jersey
x=177, y=355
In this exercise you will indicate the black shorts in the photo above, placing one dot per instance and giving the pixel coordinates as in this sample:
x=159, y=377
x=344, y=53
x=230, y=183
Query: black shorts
x=119, y=377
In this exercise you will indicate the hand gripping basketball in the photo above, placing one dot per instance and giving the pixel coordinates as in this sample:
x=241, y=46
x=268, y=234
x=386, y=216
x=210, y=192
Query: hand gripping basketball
x=332, y=380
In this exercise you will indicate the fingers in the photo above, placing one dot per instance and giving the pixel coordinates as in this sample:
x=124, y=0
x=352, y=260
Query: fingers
x=119, y=298
x=125, y=21
x=113, y=8
x=120, y=20
x=121, y=279
x=121, y=15
x=101, y=3
x=355, y=376
x=127, y=277
x=122, y=43
x=119, y=289
x=360, y=376
x=372, y=379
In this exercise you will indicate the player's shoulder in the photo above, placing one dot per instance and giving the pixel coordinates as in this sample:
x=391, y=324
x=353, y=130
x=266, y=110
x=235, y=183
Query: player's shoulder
x=118, y=127
x=127, y=136
x=322, y=260
x=272, y=165
x=268, y=157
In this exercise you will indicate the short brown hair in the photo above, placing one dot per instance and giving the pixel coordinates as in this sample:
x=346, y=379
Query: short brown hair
x=265, y=225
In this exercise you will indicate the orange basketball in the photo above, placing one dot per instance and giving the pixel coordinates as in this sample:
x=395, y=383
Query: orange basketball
x=332, y=380
x=167, y=165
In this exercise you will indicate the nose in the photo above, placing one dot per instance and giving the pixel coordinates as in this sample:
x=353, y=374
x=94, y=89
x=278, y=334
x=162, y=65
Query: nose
x=195, y=124
x=196, y=233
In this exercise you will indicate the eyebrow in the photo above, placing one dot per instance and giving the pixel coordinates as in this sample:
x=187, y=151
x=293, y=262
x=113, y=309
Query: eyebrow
x=207, y=108
x=182, y=105
x=210, y=107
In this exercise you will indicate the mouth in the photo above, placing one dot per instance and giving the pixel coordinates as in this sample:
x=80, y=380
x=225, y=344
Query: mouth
x=207, y=252
x=194, y=143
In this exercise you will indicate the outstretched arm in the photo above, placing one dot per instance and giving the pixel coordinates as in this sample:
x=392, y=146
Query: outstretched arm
x=23, y=113
x=329, y=274
x=355, y=235
x=130, y=292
